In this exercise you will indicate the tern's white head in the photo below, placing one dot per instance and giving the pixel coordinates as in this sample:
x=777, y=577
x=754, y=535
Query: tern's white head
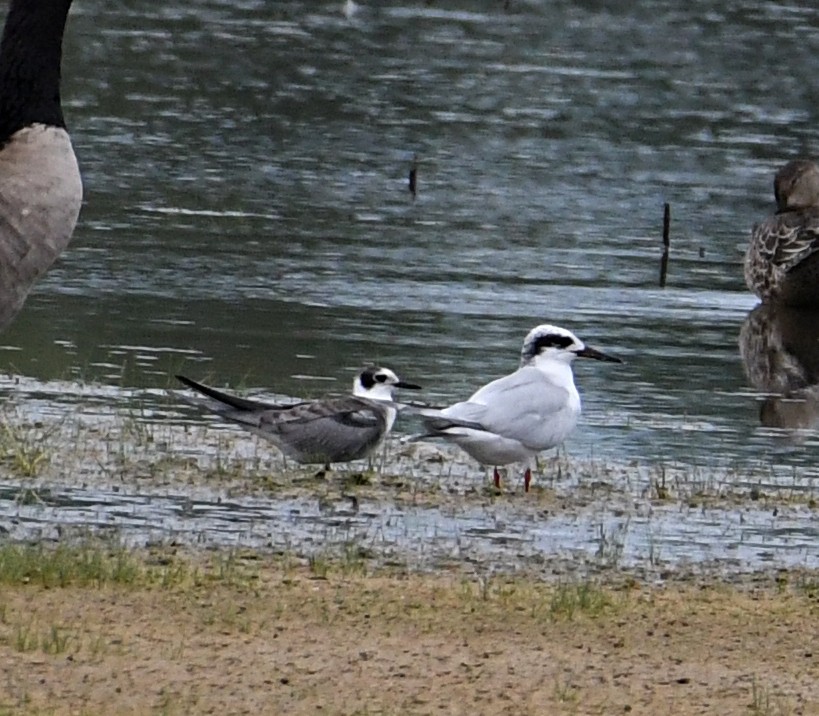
x=553, y=343
x=378, y=384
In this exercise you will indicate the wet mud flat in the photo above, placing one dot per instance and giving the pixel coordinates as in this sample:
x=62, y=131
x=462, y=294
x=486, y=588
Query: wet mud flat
x=153, y=562
x=142, y=473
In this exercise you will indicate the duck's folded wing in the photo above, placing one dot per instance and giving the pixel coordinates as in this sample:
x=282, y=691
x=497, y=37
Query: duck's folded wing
x=788, y=239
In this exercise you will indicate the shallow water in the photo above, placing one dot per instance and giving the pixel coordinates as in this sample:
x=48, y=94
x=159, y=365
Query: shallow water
x=486, y=536
x=247, y=218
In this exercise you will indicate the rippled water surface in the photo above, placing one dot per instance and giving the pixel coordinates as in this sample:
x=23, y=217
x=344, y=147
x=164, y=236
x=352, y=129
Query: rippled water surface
x=247, y=215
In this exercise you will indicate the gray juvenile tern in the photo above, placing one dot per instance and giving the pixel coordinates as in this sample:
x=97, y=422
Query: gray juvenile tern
x=514, y=418
x=317, y=431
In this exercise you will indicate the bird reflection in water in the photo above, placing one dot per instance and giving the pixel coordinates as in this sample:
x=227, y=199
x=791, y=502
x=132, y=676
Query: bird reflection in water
x=779, y=346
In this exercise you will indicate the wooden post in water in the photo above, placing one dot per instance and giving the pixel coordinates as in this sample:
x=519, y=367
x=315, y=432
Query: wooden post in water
x=413, y=176
x=666, y=243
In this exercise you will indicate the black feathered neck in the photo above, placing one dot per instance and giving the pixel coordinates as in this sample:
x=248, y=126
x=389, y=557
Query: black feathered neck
x=30, y=56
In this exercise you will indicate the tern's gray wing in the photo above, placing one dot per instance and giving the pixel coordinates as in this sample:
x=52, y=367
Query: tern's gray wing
x=220, y=401
x=325, y=431
x=525, y=406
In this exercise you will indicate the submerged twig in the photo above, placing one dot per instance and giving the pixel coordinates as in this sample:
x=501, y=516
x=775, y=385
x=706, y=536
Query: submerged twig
x=413, y=176
x=666, y=243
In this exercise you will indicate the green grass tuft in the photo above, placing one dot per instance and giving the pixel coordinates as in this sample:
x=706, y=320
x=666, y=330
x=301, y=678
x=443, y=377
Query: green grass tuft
x=570, y=599
x=66, y=565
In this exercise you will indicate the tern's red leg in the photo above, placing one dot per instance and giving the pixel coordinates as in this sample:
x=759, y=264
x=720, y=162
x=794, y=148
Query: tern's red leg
x=527, y=478
x=497, y=479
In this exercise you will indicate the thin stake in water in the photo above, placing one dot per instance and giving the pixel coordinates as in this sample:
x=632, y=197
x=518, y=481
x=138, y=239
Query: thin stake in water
x=666, y=243
x=413, y=176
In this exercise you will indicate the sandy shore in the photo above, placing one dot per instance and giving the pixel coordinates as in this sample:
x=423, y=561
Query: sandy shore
x=269, y=636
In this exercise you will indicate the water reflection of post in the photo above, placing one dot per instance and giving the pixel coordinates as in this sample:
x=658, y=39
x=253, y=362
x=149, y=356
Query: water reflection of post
x=780, y=353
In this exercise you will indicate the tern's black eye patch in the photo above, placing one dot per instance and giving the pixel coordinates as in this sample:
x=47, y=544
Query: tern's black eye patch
x=381, y=378
x=367, y=378
x=551, y=340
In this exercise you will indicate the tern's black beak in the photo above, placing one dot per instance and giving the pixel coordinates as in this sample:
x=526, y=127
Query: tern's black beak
x=589, y=352
x=408, y=386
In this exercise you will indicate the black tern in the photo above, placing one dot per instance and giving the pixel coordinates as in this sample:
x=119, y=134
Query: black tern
x=318, y=431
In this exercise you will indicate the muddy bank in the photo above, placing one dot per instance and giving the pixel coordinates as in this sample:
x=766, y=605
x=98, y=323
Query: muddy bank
x=147, y=473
